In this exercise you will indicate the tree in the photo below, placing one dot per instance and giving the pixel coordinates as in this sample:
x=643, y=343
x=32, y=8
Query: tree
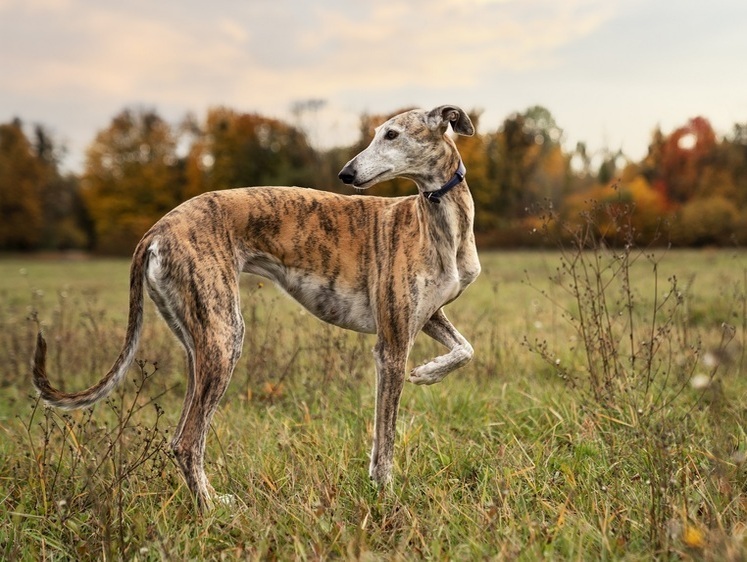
x=246, y=149
x=610, y=209
x=539, y=122
x=675, y=163
x=65, y=219
x=39, y=207
x=475, y=157
x=132, y=177
x=21, y=174
x=526, y=162
x=710, y=220
x=736, y=162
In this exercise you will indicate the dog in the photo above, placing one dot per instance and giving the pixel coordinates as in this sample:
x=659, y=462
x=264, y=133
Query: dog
x=384, y=266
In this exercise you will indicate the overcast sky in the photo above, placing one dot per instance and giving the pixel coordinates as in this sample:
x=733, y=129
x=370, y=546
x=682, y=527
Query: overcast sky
x=610, y=71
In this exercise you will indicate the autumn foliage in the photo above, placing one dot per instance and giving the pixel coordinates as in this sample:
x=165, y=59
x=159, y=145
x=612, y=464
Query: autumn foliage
x=691, y=188
x=38, y=207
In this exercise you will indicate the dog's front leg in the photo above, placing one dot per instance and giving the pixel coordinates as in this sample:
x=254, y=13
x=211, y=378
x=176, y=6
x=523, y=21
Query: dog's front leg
x=391, y=360
x=460, y=351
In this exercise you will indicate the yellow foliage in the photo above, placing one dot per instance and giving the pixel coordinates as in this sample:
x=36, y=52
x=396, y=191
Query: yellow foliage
x=130, y=180
x=693, y=537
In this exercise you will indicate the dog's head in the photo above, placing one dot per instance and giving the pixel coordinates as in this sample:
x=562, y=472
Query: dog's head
x=409, y=145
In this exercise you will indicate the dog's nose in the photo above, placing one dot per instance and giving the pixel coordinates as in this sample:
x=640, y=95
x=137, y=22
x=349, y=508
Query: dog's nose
x=347, y=175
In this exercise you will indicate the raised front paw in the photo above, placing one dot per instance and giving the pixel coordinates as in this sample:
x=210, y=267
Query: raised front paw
x=423, y=375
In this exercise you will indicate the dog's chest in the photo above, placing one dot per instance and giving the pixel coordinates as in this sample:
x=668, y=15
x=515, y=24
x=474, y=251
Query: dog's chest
x=431, y=292
x=332, y=302
x=458, y=275
x=444, y=289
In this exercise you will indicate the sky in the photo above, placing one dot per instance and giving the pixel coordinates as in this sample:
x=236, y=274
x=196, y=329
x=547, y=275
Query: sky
x=609, y=71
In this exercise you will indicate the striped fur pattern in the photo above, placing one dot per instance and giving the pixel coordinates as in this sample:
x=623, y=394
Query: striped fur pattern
x=377, y=265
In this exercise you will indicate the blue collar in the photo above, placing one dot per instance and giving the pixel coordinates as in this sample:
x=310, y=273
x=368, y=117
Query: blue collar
x=435, y=196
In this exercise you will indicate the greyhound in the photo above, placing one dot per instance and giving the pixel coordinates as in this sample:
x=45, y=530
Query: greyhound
x=376, y=265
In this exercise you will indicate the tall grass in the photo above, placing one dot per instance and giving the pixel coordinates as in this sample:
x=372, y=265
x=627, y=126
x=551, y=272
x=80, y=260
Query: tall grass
x=638, y=363
x=576, y=433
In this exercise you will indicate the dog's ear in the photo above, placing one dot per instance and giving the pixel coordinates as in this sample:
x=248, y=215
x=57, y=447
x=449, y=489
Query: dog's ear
x=442, y=115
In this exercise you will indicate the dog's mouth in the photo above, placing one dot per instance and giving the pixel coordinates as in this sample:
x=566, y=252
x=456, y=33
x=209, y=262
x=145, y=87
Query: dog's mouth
x=363, y=185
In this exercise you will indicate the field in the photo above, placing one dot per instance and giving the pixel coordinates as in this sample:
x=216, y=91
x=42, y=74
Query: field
x=603, y=417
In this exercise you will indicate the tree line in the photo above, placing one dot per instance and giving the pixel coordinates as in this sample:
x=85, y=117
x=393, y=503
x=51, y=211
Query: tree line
x=690, y=189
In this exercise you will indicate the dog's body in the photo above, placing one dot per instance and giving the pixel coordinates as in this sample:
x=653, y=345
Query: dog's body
x=370, y=264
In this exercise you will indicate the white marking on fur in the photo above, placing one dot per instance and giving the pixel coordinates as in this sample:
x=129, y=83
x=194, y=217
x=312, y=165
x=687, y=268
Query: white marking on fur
x=154, y=271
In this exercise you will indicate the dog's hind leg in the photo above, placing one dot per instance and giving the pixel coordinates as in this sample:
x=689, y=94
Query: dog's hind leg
x=203, y=312
x=217, y=349
x=460, y=351
x=170, y=314
x=163, y=285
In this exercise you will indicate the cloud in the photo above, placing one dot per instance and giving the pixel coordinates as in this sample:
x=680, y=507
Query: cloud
x=109, y=49
x=111, y=52
x=75, y=63
x=422, y=42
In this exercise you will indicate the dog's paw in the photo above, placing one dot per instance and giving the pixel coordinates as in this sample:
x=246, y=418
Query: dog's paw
x=381, y=476
x=421, y=376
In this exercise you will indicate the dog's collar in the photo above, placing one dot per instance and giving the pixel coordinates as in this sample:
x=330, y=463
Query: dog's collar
x=435, y=196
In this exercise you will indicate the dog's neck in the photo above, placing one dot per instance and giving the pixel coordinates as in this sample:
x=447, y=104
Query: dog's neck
x=458, y=177
x=446, y=212
x=437, y=180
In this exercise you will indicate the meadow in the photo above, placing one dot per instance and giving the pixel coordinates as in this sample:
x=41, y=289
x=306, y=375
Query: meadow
x=603, y=417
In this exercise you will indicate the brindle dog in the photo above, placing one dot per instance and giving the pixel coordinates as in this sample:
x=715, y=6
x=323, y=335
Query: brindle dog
x=378, y=265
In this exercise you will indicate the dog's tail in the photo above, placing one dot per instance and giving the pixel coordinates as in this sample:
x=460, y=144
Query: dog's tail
x=74, y=400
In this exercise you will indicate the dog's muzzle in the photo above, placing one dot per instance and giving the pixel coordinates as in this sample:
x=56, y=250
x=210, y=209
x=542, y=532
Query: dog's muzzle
x=347, y=175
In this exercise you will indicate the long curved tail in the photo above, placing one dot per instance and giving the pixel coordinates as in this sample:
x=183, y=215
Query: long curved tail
x=74, y=400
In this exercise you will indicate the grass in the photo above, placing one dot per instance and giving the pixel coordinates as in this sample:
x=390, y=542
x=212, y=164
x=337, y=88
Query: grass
x=516, y=456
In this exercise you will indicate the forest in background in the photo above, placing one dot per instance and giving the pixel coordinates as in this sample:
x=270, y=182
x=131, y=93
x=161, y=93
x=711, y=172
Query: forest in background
x=690, y=189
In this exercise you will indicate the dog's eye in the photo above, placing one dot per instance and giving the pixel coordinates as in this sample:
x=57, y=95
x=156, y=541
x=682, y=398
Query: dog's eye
x=391, y=134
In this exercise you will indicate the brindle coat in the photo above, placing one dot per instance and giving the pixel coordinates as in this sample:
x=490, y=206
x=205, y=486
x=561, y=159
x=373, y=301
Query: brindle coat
x=371, y=264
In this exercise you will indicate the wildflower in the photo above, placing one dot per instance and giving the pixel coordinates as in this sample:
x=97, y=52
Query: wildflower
x=693, y=537
x=710, y=360
x=700, y=382
x=739, y=458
